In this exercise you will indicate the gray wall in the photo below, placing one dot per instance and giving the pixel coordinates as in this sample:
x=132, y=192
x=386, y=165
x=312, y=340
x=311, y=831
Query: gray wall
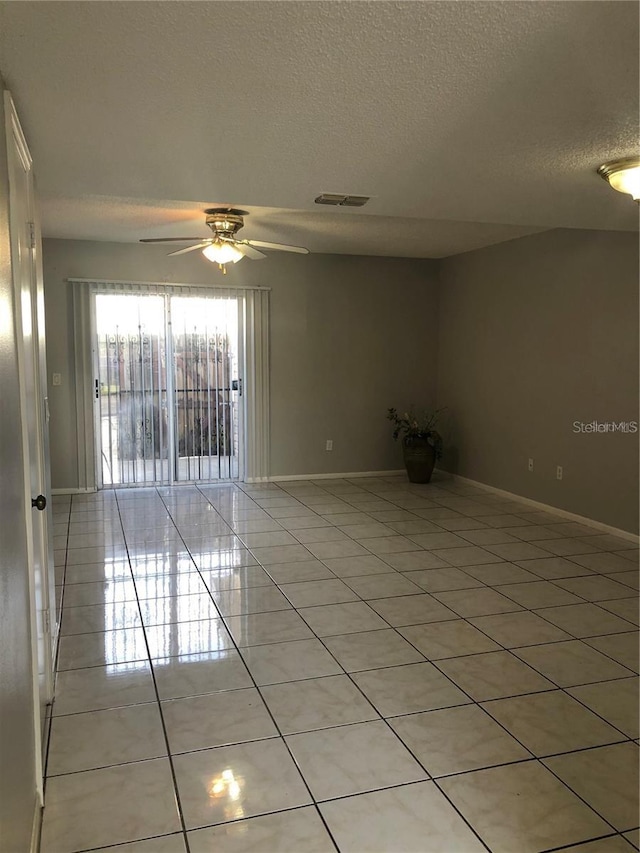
x=17, y=747
x=535, y=334
x=350, y=336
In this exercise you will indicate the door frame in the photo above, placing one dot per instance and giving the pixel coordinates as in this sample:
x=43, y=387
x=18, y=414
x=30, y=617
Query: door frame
x=166, y=291
x=255, y=355
x=242, y=399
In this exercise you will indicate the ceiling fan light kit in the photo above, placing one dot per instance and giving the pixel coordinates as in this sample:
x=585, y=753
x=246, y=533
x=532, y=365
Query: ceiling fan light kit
x=222, y=253
x=224, y=248
x=623, y=175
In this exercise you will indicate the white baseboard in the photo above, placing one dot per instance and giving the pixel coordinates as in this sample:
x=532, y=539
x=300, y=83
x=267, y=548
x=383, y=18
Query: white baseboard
x=571, y=516
x=73, y=491
x=350, y=475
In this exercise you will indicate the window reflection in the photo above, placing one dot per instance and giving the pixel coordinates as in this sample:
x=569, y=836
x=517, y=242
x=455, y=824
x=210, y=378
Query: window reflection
x=174, y=597
x=116, y=569
x=165, y=562
x=205, y=639
x=124, y=648
x=161, y=586
x=222, y=559
x=228, y=787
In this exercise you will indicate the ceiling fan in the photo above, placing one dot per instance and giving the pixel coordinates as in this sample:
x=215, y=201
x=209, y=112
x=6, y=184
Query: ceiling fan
x=223, y=247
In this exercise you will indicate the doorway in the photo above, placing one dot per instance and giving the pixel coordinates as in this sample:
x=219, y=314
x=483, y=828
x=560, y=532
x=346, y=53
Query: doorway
x=168, y=404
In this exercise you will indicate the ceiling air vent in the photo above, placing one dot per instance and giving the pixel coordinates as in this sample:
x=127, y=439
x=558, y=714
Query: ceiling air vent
x=342, y=200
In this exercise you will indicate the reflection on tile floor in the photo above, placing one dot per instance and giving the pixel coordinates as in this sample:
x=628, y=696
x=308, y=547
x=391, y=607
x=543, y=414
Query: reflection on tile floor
x=354, y=665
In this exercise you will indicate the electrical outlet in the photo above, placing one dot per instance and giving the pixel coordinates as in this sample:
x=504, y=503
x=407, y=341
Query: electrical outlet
x=56, y=379
x=559, y=472
x=531, y=464
x=329, y=444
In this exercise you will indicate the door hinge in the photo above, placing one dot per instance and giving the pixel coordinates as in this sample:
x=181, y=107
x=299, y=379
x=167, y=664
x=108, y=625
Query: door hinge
x=32, y=234
x=46, y=623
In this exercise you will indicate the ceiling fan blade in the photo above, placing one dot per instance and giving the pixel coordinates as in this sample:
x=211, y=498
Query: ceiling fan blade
x=249, y=251
x=190, y=248
x=279, y=246
x=169, y=239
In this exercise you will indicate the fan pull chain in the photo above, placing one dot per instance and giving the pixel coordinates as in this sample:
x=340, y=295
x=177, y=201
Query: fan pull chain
x=223, y=268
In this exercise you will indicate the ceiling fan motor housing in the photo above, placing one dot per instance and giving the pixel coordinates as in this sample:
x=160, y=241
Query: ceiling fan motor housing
x=225, y=223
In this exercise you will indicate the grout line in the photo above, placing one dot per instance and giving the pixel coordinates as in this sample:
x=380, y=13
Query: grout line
x=576, y=794
x=455, y=617
x=54, y=665
x=433, y=661
x=277, y=737
x=162, y=720
x=382, y=719
x=280, y=738
x=618, y=834
x=123, y=844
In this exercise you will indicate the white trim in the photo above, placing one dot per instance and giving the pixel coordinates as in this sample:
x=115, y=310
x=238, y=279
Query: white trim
x=110, y=281
x=351, y=475
x=572, y=516
x=36, y=826
x=255, y=363
x=22, y=149
x=96, y=402
x=241, y=407
x=84, y=388
x=73, y=491
x=53, y=620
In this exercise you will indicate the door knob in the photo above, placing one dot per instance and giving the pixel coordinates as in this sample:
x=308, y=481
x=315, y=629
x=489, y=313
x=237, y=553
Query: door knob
x=39, y=503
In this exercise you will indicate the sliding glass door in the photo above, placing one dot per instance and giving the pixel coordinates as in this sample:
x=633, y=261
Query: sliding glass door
x=131, y=389
x=167, y=388
x=204, y=335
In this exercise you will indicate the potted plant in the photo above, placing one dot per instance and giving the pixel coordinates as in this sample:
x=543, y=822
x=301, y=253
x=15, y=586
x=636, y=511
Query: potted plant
x=421, y=443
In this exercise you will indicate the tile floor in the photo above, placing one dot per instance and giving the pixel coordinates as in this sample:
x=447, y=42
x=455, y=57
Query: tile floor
x=362, y=665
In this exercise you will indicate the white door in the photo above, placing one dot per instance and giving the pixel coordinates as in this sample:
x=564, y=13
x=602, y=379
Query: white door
x=32, y=374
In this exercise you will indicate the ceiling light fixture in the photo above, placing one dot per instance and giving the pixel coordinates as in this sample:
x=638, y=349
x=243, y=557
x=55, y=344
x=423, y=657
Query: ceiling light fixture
x=221, y=253
x=623, y=175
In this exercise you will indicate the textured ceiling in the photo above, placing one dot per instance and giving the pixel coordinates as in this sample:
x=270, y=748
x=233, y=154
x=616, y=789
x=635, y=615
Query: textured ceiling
x=468, y=123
